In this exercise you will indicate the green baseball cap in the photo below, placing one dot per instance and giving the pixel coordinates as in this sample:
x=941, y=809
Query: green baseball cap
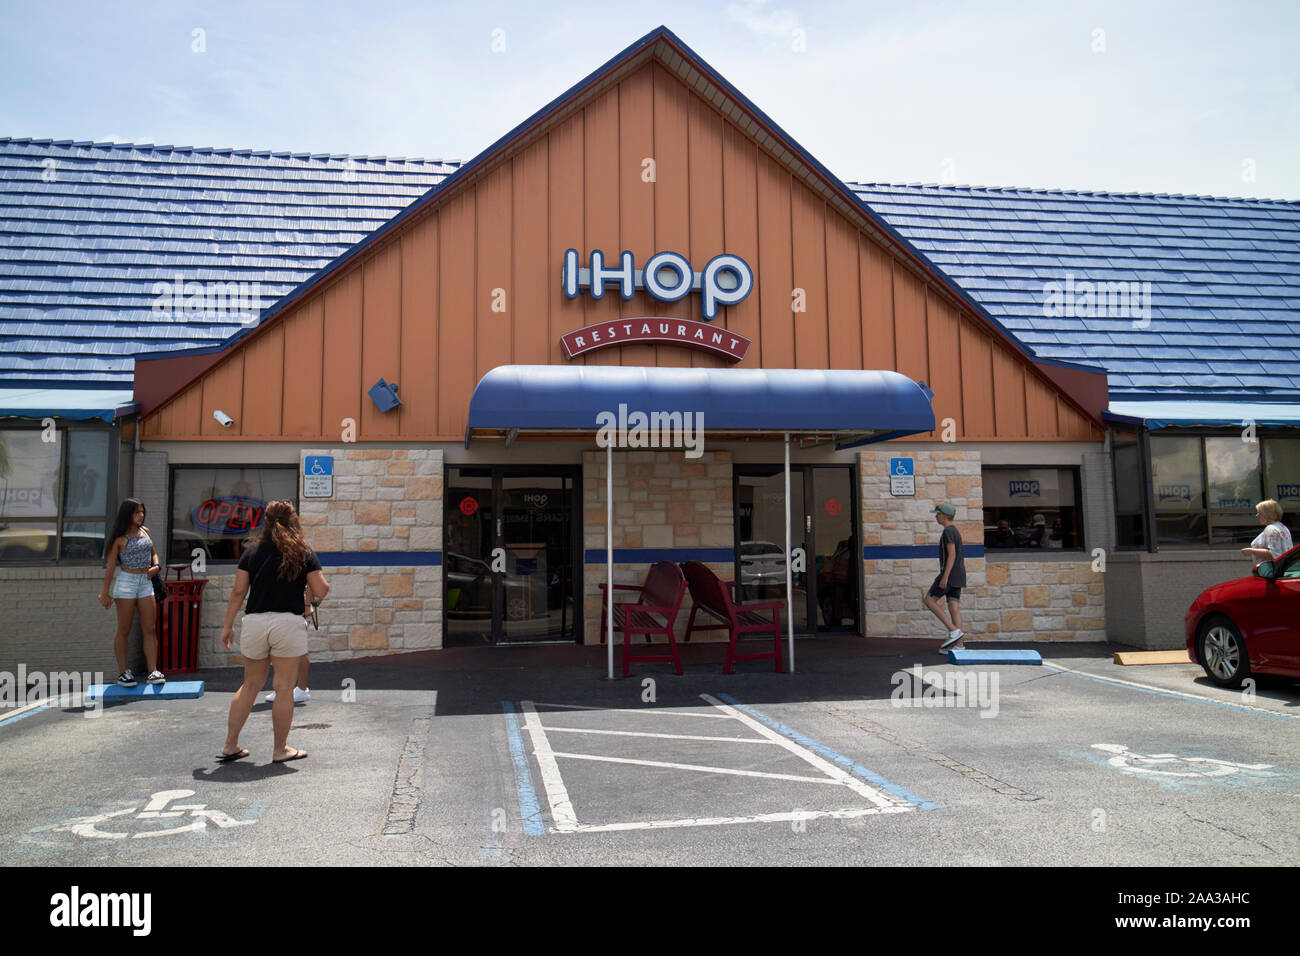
x=949, y=510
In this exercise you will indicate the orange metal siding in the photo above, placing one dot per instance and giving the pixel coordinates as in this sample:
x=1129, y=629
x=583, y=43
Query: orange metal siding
x=418, y=310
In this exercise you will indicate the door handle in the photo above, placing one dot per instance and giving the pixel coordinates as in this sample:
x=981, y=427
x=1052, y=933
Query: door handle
x=807, y=524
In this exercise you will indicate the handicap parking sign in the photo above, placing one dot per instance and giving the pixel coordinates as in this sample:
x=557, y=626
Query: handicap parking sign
x=902, y=477
x=318, y=476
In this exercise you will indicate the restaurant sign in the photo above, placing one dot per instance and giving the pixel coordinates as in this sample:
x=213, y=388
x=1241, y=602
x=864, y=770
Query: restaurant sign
x=667, y=276
x=701, y=335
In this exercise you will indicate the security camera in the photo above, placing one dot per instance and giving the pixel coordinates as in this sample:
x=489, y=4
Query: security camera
x=225, y=420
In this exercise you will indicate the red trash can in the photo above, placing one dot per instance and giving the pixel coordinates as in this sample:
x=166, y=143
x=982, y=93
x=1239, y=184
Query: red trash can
x=178, y=622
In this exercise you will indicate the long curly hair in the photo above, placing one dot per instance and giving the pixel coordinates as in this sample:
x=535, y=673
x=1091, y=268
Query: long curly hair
x=281, y=527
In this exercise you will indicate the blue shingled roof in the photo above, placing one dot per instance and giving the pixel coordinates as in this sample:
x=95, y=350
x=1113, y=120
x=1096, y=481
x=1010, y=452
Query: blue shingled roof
x=87, y=231
x=1224, y=274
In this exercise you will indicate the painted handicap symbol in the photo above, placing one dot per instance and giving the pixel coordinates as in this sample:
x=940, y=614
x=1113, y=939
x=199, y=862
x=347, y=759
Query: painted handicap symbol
x=157, y=808
x=316, y=469
x=1172, y=765
x=901, y=469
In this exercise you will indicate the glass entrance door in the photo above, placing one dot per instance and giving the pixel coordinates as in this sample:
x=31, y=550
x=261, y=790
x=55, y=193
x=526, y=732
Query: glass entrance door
x=510, y=559
x=822, y=523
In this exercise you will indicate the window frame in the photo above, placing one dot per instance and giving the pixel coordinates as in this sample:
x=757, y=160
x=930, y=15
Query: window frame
x=111, y=465
x=172, y=469
x=1080, y=548
x=1153, y=545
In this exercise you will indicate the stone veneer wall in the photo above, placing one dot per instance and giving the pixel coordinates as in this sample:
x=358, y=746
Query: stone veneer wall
x=385, y=500
x=1018, y=598
x=661, y=500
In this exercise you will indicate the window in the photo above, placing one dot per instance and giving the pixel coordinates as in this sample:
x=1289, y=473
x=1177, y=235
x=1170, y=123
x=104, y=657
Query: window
x=217, y=509
x=1282, y=478
x=1233, y=477
x=1130, y=507
x=1176, y=471
x=1205, y=487
x=54, y=485
x=1032, y=509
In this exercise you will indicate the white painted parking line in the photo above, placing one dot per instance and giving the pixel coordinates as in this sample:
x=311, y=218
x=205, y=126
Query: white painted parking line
x=564, y=818
x=641, y=733
x=702, y=769
x=725, y=821
x=561, y=807
x=658, y=712
x=879, y=797
x=1166, y=692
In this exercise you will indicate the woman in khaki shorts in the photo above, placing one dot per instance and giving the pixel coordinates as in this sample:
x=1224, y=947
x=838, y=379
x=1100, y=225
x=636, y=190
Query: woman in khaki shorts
x=274, y=576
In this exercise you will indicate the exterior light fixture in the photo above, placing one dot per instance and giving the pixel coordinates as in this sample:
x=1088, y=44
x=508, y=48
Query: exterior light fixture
x=384, y=395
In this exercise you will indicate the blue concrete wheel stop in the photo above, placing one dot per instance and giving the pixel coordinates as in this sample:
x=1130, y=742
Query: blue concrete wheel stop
x=962, y=655
x=172, y=690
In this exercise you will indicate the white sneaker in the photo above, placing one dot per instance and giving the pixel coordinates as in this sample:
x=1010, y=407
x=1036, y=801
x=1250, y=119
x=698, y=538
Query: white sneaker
x=953, y=638
x=268, y=698
x=301, y=696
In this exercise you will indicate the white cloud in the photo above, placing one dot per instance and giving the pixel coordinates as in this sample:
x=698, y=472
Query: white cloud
x=770, y=23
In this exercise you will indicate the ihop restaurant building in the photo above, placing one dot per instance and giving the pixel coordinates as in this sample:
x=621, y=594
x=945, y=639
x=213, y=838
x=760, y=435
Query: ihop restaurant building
x=651, y=262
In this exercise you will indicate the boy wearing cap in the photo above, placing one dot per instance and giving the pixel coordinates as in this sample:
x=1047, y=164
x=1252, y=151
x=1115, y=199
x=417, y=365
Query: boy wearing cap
x=951, y=578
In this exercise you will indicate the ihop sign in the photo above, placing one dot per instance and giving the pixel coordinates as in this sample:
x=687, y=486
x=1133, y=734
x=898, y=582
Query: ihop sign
x=667, y=276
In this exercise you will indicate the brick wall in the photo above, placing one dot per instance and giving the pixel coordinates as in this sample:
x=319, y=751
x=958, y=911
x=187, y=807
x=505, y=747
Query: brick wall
x=385, y=500
x=151, y=486
x=50, y=620
x=661, y=500
x=1021, y=598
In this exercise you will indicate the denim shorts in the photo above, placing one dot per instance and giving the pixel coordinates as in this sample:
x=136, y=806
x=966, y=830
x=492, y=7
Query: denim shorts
x=130, y=586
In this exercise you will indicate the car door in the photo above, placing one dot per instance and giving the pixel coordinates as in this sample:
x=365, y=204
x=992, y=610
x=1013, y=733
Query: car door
x=1285, y=609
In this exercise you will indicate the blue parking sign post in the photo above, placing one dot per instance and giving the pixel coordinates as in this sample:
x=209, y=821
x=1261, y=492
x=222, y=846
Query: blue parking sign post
x=902, y=477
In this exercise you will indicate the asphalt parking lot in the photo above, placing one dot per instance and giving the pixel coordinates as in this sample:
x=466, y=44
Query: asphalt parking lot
x=530, y=756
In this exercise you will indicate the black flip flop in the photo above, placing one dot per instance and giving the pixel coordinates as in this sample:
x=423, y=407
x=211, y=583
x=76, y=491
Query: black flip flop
x=227, y=758
x=298, y=756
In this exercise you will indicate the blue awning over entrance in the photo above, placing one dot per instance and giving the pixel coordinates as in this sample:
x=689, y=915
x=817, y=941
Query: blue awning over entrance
x=869, y=405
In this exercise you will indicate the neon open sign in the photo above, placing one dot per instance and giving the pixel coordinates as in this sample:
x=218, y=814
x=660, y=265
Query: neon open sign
x=233, y=514
x=667, y=276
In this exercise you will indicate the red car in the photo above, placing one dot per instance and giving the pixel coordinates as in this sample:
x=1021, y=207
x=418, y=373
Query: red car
x=1250, y=625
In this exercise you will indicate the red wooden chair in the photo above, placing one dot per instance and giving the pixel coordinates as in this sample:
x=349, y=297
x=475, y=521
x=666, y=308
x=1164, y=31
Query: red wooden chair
x=713, y=596
x=660, y=597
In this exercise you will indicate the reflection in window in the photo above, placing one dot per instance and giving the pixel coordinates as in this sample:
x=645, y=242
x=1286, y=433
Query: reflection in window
x=1282, y=479
x=29, y=494
x=217, y=510
x=1179, y=490
x=1233, y=477
x=1130, y=508
x=1031, y=508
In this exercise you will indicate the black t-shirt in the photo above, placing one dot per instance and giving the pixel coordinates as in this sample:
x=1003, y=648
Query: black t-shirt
x=956, y=577
x=268, y=593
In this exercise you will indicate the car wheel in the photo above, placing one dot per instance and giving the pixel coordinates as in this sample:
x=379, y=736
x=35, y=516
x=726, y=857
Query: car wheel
x=1222, y=652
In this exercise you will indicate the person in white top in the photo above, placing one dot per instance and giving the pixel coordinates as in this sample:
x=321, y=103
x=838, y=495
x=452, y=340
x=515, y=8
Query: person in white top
x=1275, y=540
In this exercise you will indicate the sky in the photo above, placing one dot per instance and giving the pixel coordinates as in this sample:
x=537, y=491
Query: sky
x=1173, y=97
